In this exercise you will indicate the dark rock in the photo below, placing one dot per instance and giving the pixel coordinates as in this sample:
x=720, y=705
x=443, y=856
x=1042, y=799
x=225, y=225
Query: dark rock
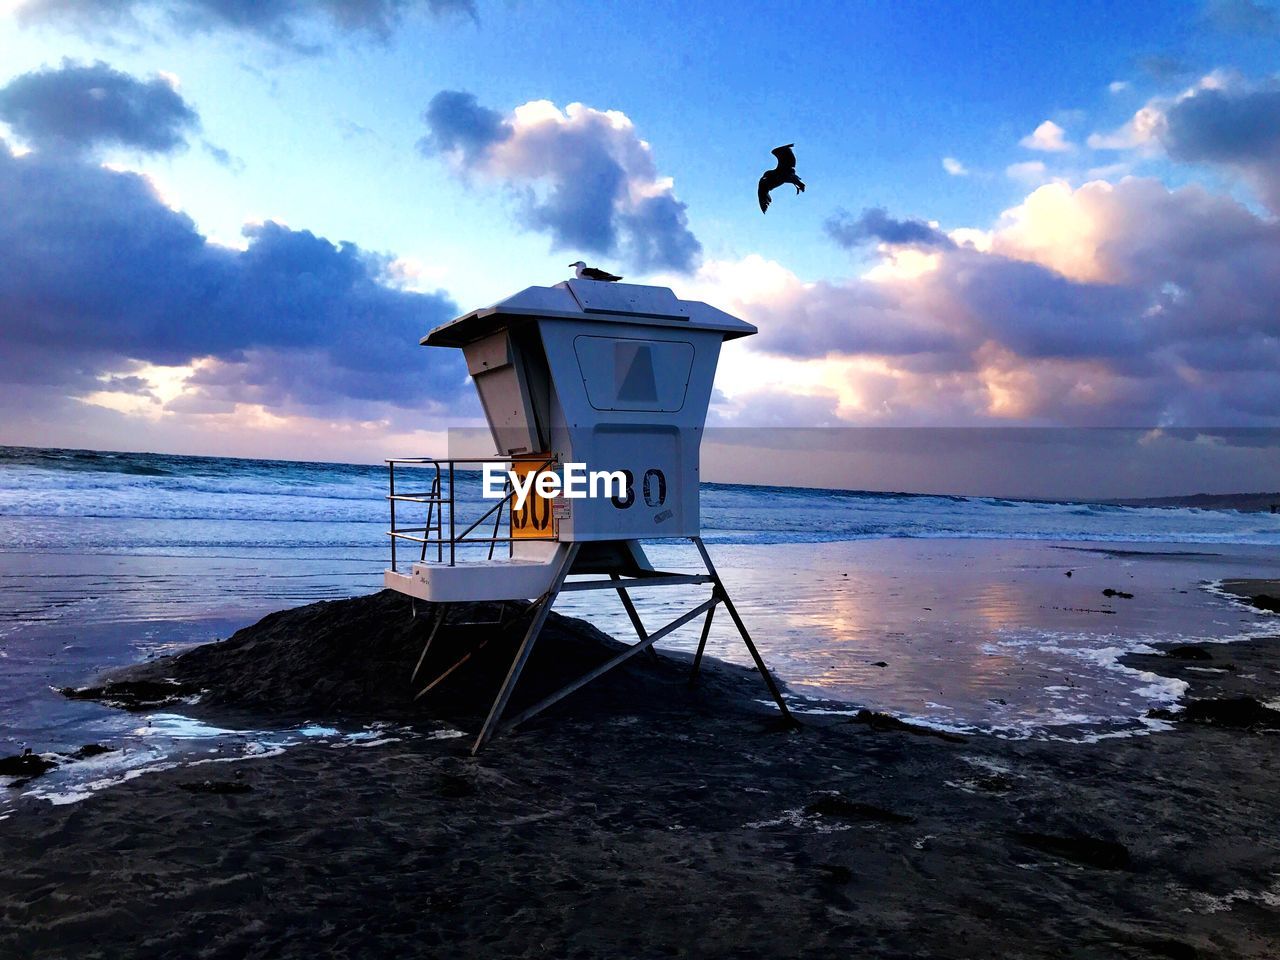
x=838, y=807
x=1090, y=851
x=134, y=695
x=1188, y=651
x=879, y=663
x=1109, y=592
x=1244, y=713
x=883, y=722
x=92, y=750
x=215, y=786
x=1265, y=602
x=25, y=764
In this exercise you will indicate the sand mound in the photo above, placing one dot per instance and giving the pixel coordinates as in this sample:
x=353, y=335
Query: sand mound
x=355, y=658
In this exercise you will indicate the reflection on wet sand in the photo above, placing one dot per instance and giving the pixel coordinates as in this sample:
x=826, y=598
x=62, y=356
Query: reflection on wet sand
x=981, y=633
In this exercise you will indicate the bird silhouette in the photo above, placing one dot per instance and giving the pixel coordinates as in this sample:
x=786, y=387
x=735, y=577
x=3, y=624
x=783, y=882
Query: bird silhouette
x=784, y=172
x=583, y=272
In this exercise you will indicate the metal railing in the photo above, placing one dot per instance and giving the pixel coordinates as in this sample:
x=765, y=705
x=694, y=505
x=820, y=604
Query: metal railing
x=439, y=500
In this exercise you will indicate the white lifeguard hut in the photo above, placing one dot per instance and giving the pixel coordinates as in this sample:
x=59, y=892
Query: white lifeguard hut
x=615, y=377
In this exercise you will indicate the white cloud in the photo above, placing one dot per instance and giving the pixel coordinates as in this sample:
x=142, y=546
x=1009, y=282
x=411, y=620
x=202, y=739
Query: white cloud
x=1030, y=172
x=1048, y=137
x=954, y=167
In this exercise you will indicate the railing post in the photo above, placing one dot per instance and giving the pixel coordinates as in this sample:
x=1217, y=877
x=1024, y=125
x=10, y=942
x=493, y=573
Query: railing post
x=391, y=470
x=452, y=546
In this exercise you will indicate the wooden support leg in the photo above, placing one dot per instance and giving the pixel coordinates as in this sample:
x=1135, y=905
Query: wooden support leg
x=526, y=647
x=742, y=630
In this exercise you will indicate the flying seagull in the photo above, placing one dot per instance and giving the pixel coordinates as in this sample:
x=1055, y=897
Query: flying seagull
x=784, y=172
x=583, y=272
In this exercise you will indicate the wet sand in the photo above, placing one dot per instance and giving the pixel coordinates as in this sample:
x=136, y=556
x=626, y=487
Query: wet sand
x=646, y=818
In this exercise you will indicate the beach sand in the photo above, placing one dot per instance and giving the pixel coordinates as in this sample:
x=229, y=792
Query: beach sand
x=646, y=818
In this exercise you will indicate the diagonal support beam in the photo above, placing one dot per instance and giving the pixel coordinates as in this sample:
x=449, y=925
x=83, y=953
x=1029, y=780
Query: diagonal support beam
x=609, y=664
x=465, y=657
x=631, y=612
x=444, y=607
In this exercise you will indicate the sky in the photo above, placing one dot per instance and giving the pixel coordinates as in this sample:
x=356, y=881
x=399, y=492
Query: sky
x=225, y=225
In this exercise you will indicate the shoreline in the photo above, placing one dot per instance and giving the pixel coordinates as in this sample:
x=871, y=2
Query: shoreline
x=643, y=818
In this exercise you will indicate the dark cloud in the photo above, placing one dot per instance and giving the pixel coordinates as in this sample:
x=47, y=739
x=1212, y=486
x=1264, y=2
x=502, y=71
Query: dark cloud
x=582, y=176
x=875, y=225
x=578, y=209
x=1238, y=127
x=458, y=123
x=287, y=23
x=98, y=273
x=77, y=107
x=656, y=235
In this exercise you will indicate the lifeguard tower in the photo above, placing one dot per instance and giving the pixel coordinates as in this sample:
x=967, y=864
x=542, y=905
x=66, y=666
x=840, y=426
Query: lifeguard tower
x=616, y=377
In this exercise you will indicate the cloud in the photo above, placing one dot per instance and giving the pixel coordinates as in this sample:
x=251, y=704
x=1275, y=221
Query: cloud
x=1237, y=127
x=100, y=278
x=460, y=126
x=1029, y=171
x=875, y=225
x=580, y=175
x=1105, y=304
x=1048, y=137
x=286, y=23
x=954, y=167
x=1118, y=86
x=1221, y=120
x=1138, y=133
x=77, y=107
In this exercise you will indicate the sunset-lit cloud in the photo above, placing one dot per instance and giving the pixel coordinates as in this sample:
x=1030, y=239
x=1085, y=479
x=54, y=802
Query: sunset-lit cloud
x=1102, y=304
x=1124, y=271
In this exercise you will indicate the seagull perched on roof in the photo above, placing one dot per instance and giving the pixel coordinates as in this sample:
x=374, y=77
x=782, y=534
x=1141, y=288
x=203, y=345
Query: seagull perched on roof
x=784, y=172
x=583, y=272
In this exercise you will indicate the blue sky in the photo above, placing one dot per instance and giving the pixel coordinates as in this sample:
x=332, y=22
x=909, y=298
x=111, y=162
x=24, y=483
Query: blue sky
x=310, y=116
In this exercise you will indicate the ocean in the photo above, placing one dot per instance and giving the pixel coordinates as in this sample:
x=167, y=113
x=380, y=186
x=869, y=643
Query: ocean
x=952, y=611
